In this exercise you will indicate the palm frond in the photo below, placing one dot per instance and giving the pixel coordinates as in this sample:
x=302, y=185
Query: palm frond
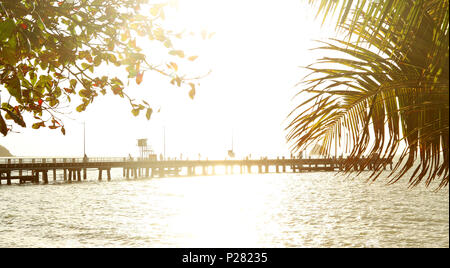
x=387, y=89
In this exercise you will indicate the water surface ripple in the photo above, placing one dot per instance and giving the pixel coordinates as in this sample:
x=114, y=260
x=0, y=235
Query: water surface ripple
x=268, y=210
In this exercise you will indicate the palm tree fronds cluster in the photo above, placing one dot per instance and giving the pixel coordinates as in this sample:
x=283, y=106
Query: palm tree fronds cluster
x=383, y=92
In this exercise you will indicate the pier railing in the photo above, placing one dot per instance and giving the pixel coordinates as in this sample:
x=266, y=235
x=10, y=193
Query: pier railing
x=27, y=160
x=72, y=168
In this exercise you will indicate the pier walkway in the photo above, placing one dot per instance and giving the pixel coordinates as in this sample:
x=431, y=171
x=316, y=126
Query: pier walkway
x=37, y=169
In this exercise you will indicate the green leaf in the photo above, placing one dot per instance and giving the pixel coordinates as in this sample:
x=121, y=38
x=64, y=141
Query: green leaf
x=33, y=78
x=73, y=83
x=192, y=58
x=3, y=127
x=97, y=60
x=178, y=53
x=149, y=113
x=84, y=93
x=85, y=66
x=13, y=86
x=18, y=119
x=174, y=66
x=135, y=112
x=38, y=125
x=6, y=29
x=81, y=108
x=192, y=91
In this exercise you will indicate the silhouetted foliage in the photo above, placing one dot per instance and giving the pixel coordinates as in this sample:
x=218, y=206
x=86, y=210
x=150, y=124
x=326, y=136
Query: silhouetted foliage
x=51, y=51
x=385, y=84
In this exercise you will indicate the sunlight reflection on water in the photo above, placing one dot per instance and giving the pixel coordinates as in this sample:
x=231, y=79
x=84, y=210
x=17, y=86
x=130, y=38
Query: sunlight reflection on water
x=269, y=210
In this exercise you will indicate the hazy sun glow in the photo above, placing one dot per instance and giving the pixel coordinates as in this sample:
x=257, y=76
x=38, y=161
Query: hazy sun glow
x=206, y=220
x=254, y=55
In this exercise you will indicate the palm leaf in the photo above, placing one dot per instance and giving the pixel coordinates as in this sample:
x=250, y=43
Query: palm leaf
x=387, y=89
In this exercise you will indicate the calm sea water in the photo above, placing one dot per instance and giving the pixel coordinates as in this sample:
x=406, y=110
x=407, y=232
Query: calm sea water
x=268, y=210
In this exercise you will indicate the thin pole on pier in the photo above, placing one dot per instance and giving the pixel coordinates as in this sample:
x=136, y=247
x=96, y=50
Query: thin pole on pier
x=164, y=132
x=232, y=140
x=335, y=153
x=84, y=138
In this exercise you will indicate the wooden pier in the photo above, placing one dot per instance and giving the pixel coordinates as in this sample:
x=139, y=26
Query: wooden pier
x=36, y=170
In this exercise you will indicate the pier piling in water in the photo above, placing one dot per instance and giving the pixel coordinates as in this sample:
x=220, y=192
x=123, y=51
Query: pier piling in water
x=45, y=176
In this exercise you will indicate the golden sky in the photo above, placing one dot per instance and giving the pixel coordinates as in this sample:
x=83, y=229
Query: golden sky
x=254, y=55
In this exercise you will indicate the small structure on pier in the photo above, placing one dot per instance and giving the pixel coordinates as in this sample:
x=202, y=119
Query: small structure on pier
x=145, y=151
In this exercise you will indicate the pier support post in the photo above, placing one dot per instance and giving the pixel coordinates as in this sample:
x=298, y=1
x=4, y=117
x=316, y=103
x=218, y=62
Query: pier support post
x=100, y=174
x=259, y=169
x=20, y=162
x=36, y=180
x=79, y=174
x=54, y=170
x=65, y=170
x=8, y=174
x=128, y=173
x=45, y=176
x=146, y=172
x=189, y=171
x=85, y=174
x=108, y=173
x=70, y=175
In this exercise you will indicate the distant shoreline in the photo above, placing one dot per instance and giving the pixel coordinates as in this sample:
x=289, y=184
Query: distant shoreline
x=4, y=152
